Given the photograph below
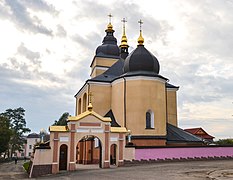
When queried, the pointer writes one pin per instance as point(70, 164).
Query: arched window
point(84, 102)
point(150, 120)
point(79, 106)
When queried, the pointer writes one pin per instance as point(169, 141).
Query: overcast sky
point(46, 47)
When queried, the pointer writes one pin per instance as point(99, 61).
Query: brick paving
point(189, 170)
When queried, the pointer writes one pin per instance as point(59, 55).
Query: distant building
point(200, 133)
point(32, 139)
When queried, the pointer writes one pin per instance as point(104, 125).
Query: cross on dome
point(110, 17)
point(140, 38)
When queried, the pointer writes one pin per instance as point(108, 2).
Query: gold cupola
point(124, 45)
point(109, 26)
point(124, 40)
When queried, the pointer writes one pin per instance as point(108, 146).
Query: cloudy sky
point(46, 47)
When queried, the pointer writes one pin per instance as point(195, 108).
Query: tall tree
point(18, 128)
point(5, 133)
point(62, 120)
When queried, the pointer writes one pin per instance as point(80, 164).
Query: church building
point(129, 89)
point(125, 105)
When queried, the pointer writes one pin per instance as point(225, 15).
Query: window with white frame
point(150, 120)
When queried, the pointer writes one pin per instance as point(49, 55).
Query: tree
point(5, 134)
point(18, 128)
point(62, 120)
point(224, 142)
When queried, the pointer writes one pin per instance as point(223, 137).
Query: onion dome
point(141, 59)
point(109, 47)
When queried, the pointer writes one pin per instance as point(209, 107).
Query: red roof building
point(200, 133)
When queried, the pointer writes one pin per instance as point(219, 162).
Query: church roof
point(58, 128)
point(199, 132)
point(33, 135)
point(141, 60)
point(113, 122)
point(116, 71)
point(175, 134)
point(87, 113)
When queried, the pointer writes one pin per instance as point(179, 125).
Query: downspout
point(124, 102)
point(166, 103)
point(88, 91)
point(166, 109)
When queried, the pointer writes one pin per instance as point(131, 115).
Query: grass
point(26, 166)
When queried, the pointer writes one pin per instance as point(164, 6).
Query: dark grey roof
point(168, 85)
point(175, 134)
point(116, 71)
point(141, 60)
point(113, 122)
point(109, 46)
point(33, 135)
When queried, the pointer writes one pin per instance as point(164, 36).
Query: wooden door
point(63, 157)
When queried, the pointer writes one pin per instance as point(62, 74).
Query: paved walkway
point(192, 170)
point(11, 170)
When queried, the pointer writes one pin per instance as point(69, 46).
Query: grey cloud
point(21, 17)
point(211, 27)
point(40, 103)
point(33, 56)
point(61, 32)
point(90, 42)
point(152, 28)
point(40, 5)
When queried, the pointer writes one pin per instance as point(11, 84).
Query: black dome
point(141, 60)
point(108, 49)
point(109, 46)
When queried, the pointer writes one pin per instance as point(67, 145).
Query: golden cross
point(110, 17)
point(140, 22)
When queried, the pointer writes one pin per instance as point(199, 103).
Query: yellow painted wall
point(117, 103)
point(101, 99)
point(97, 72)
point(172, 107)
point(78, 96)
point(143, 95)
point(98, 61)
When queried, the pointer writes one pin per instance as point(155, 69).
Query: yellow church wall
point(143, 95)
point(172, 107)
point(101, 62)
point(97, 72)
point(106, 62)
point(101, 99)
point(117, 103)
point(80, 97)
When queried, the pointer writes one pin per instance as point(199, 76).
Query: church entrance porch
point(89, 151)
